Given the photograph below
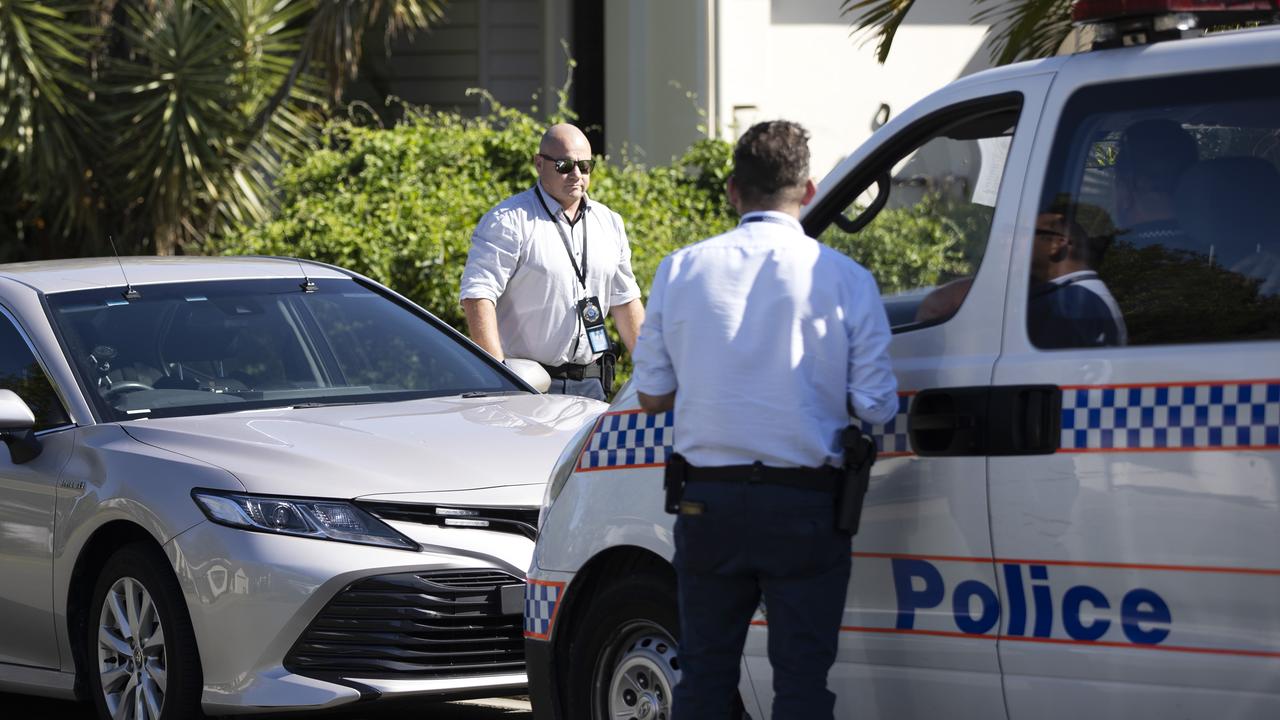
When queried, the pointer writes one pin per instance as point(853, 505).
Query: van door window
point(1160, 219)
point(21, 373)
point(924, 241)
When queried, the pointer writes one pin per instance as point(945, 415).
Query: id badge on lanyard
point(590, 312)
point(593, 321)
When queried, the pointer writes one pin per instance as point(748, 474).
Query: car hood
point(440, 445)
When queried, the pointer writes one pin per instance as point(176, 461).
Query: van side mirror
point(16, 428)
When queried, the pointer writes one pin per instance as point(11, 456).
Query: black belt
point(572, 371)
point(825, 478)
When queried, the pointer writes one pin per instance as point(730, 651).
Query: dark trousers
point(586, 387)
point(754, 541)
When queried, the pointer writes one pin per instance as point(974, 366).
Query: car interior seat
point(201, 335)
point(1230, 206)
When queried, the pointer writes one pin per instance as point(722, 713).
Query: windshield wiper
point(316, 404)
point(490, 393)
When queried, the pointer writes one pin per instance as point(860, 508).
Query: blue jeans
point(586, 387)
point(751, 541)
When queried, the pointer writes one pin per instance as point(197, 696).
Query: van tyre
point(627, 663)
point(141, 660)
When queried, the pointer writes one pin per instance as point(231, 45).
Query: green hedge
point(399, 204)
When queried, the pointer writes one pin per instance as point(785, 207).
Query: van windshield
point(225, 346)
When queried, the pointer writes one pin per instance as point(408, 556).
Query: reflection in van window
point(926, 244)
point(1179, 205)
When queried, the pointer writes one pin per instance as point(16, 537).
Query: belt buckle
point(757, 472)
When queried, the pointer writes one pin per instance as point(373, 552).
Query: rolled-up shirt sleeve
point(624, 287)
point(493, 257)
point(654, 374)
point(873, 388)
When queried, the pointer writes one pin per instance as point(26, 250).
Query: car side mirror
point(17, 425)
point(530, 372)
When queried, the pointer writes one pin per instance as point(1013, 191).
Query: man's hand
point(628, 318)
point(654, 404)
point(482, 324)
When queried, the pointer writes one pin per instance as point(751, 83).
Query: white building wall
point(750, 60)
point(804, 65)
point(657, 78)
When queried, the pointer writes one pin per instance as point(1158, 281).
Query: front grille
point(521, 521)
point(437, 624)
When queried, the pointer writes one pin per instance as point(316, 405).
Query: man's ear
point(731, 192)
point(810, 189)
point(1061, 249)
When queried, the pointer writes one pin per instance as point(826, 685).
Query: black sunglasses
point(564, 166)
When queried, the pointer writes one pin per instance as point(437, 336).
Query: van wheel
point(140, 650)
point(627, 663)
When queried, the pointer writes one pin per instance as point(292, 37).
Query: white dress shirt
point(518, 260)
point(764, 333)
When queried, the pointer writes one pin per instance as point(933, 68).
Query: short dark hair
point(771, 159)
point(1154, 153)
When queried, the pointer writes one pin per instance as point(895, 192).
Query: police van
point(1076, 511)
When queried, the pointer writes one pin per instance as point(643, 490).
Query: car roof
point(54, 276)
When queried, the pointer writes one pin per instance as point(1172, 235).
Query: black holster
point(673, 480)
point(607, 362)
point(859, 456)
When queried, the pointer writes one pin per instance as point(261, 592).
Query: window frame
point(7, 314)
point(881, 161)
point(1070, 142)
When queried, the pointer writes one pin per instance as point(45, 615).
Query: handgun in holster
point(608, 362)
point(859, 456)
point(673, 480)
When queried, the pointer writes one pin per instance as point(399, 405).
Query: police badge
point(593, 322)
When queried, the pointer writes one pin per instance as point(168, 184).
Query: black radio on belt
point(593, 322)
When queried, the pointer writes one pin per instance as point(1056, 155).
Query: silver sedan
point(242, 485)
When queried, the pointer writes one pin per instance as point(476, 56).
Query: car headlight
point(321, 519)
point(564, 467)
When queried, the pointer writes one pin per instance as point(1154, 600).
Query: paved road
point(19, 707)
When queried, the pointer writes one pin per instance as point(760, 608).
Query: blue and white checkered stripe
point(891, 438)
point(635, 439)
point(1179, 417)
point(540, 608)
point(628, 440)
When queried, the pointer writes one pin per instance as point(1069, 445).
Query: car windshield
point(200, 348)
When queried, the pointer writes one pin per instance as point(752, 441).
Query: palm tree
point(1021, 29)
point(161, 122)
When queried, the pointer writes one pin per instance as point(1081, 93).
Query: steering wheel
point(125, 386)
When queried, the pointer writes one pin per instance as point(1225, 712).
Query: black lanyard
point(767, 218)
point(568, 246)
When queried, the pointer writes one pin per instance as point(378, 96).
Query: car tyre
point(140, 653)
point(627, 664)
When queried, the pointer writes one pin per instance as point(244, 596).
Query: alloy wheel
point(132, 665)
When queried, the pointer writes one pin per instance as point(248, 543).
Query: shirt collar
point(788, 219)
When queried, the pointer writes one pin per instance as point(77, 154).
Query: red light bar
point(1088, 11)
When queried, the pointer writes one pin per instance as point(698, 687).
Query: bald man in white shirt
point(761, 340)
point(546, 266)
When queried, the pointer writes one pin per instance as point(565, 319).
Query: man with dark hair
point(1069, 305)
point(762, 340)
point(545, 268)
point(1153, 155)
